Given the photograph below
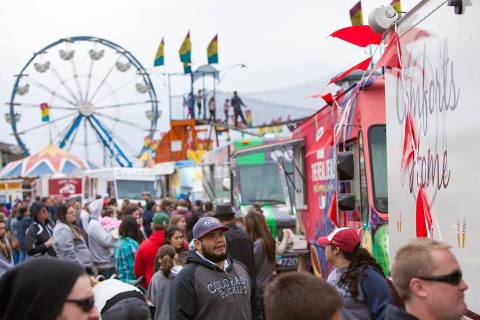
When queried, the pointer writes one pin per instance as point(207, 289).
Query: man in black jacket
point(239, 245)
point(213, 285)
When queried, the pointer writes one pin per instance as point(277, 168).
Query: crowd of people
point(176, 260)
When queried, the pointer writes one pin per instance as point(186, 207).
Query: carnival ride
point(94, 96)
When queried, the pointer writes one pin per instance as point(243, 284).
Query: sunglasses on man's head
point(85, 304)
point(453, 278)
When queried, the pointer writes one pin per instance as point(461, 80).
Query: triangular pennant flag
point(185, 51)
point(212, 51)
point(356, 15)
point(361, 66)
point(358, 35)
point(159, 56)
point(392, 55)
point(328, 98)
point(397, 6)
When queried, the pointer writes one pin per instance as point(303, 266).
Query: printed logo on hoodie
point(230, 286)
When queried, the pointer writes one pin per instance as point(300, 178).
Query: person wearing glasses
point(39, 240)
point(428, 277)
point(356, 276)
point(68, 238)
point(46, 288)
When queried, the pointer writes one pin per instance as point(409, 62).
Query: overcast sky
point(283, 43)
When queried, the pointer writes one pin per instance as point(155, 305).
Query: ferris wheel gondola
point(96, 99)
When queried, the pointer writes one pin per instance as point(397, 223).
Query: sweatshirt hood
point(158, 237)
point(194, 257)
point(96, 208)
point(175, 271)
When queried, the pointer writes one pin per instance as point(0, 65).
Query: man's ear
point(198, 245)
point(417, 288)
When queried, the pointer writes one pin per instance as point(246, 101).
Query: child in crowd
point(159, 289)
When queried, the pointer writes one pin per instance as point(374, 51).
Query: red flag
point(391, 56)
point(332, 212)
point(358, 35)
point(410, 142)
point(423, 215)
point(361, 66)
point(328, 98)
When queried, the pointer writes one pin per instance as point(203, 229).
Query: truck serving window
point(133, 189)
point(378, 157)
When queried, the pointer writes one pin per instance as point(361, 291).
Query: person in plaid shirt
point(126, 248)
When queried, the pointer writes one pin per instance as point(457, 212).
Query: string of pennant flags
point(185, 53)
point(361, 35)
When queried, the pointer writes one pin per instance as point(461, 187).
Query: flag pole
point(50, 132)
point(192, 96)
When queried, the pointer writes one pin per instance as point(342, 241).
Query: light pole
point(168, 84)
point(228, 70)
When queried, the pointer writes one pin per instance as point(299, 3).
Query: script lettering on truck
point(423, 111)
point(429, 102)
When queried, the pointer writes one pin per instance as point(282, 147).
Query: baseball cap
point(160, 219)
point(344, 238)
point(205, 225)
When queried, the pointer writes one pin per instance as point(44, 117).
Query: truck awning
point(269, 147)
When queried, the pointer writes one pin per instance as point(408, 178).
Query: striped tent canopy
point(50, 160)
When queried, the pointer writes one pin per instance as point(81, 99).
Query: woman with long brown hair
point(179, 221)
point(68, 238)
point(356, 276)
point(175, 238)
point(126, 248)
point(6, 254)
point(263, 248)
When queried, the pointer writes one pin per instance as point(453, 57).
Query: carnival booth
point(57, 173)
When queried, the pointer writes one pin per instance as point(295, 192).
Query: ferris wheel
point(87, 95)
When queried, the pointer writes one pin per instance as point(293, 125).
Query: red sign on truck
point(64, 187)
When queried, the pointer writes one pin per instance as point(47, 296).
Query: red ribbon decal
point(423, 215)
point(410, 142)
point(332, 212)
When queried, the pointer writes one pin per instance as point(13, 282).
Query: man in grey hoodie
point(101, 243)
point(213, 285)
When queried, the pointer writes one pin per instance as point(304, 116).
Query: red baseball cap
point(344, 238)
